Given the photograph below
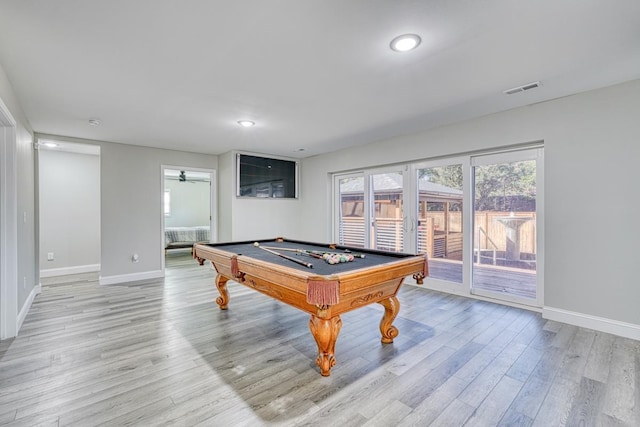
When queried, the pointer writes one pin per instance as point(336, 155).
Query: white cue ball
point(256, 244)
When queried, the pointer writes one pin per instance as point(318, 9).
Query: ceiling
point(315, 75)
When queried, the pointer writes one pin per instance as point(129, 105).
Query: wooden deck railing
point(433, 239)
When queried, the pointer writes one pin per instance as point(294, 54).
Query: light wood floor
point(161, 353)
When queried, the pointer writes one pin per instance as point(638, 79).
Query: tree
point(449, 176)
point(500, 187)
point(505, 186)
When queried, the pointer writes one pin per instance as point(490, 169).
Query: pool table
point(323, 290)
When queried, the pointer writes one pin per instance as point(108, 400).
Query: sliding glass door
point(478, 219)
point(505, 231)
point(439, 212)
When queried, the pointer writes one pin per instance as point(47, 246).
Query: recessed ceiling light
point(246, 123)
point(94, 122)
point(405, 42)
point(50, 144)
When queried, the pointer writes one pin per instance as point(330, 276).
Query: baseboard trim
point(132, 277)
point(602, 324)
point(26, 306)
point(63, 271)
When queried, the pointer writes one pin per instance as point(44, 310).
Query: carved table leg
point(391, 309)
point(221, 284)
point(325, 332)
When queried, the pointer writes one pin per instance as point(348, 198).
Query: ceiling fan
point(181, 176)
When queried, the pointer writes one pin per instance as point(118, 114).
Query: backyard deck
point(503, 280)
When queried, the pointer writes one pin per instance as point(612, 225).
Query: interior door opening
point(69, 208)
point(187, 208)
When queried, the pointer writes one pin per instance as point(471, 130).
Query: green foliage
point(449, 176)
point(500, 187)
point(505, 186)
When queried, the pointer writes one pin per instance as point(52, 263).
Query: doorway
point(188, 208)
point(69, 206)
point(8, 225)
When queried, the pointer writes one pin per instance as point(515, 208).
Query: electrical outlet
point(49, 256)
point(135, 258)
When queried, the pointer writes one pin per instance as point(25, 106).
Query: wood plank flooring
point(161, 353)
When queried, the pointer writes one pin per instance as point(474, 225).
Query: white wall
point(69, 196)
point(263, 218)
point(132, 208)
point(226, 196)
point(592, 196)
point(190, 205)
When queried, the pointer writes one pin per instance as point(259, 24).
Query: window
point(167, 202)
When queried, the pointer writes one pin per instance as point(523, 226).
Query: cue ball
point(256, 244)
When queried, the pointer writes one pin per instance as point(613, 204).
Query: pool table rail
point(356, 287)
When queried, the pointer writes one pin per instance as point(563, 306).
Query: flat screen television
point(266, 177)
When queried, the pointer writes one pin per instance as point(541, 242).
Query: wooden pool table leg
point(325, 332)
point(221, 284)
point(391, 309)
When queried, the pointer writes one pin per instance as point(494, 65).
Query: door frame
point(526, 153)
point(213, 217)
point(440, 284)
point(8, 224)
point(369, 202)
point(404, 170)
point(337, 204)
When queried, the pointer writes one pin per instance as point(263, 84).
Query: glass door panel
point(388, 221)
point(504, 236)
point(439, 225)
point(351, 211)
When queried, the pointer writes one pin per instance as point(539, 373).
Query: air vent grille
point(522, 88)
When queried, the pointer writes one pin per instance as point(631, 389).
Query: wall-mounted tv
point(266, 177)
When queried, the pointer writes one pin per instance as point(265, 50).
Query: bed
point(184, 237)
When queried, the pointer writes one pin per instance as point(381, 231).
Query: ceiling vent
point(522, 88)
